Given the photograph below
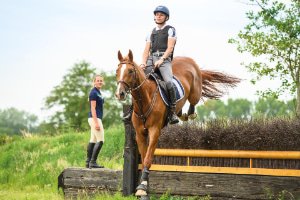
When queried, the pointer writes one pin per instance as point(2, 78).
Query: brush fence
point(222, 174)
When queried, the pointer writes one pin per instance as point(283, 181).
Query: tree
point(112, 108)
point(238, 109)
point(12, 121)
point(70, 99)
point(244, 109)
point(211, 109)
point(273, 33)
point(271, 107)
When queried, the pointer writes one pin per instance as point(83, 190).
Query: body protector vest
point(159, 40)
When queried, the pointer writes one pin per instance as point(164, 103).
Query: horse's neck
point(145, 91)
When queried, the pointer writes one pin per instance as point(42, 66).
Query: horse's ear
point(130, 56)
point(120, 56)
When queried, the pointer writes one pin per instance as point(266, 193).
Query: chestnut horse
point(150, 111)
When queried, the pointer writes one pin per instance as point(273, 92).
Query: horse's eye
point(130, 71)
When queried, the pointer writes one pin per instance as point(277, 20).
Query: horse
point(150, 112)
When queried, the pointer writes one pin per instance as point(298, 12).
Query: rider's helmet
point(162, 9)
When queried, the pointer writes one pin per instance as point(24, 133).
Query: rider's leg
point(172, 94)
point(167, 74)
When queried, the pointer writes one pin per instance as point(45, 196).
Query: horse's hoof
point(193, 116)
point(184, 117)
point(141, 193)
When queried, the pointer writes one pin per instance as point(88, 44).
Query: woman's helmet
point(162, 9)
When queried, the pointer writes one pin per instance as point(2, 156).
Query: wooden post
point(130, 168)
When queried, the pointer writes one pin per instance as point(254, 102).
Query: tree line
point(245, 109)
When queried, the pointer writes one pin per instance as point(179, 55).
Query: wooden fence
point(250, 159)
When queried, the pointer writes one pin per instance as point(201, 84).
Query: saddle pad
point(178, 88)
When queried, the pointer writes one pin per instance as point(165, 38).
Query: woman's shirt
point(95, 95)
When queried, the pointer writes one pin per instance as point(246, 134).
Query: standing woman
point(95, 121)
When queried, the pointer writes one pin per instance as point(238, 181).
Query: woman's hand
point(97, 127)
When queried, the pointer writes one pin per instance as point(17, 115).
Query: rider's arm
point(146, 54)
point(171, 45)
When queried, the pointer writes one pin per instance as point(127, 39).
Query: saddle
point(156, 76)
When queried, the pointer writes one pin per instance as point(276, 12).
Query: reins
point(139, 101)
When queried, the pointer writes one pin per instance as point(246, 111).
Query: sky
point(41, 40)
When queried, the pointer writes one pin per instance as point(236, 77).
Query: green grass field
point(29, 166)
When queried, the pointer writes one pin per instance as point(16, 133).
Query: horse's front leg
point(141, 140)
point(142, 189)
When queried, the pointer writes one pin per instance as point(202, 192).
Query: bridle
point(130, 89)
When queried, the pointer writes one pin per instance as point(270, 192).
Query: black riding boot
point(95, 154)
point(128, 114)
point(172, 93)
point(89, 152)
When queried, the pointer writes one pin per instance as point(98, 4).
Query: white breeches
point(96, 136)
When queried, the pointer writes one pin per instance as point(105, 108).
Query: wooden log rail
point(190, 153)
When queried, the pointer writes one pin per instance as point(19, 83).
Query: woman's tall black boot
point(172, 93)
point(95, 154)
point(89, 152)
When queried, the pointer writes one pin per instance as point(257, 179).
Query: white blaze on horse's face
point(120, 92)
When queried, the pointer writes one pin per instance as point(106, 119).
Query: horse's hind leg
point(190, 115)
point(182, 116)
point(191, 112)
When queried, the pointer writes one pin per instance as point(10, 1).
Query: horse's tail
point(212, 81)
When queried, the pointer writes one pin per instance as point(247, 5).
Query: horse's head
point(126, 75)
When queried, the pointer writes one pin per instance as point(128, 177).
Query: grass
point(30, 166)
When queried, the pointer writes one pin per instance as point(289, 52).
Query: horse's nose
point(122, 94)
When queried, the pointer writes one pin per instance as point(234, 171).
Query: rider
point(158, 51)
